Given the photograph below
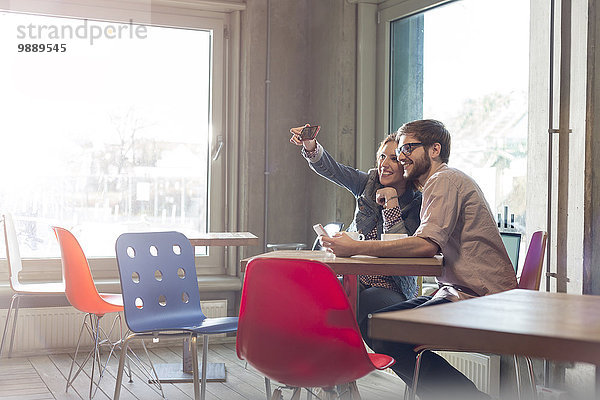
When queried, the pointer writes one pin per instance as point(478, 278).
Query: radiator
point(482, 369)
point(56, 329)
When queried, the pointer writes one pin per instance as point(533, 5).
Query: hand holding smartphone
point(309, 132)
point(320, 231)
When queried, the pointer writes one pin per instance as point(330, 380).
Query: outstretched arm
point(325, 165)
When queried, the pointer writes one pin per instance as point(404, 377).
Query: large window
point(466, 64)
point(110, 127)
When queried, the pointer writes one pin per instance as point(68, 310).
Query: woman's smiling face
point(391, 172)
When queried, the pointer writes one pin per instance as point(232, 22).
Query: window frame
point(388, 12)
point(391, 10)
point(220, 17)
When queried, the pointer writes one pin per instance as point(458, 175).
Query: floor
point(43, 377)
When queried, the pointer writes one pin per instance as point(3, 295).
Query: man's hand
point(309, 145)
point(387, 197)
point(342, 245)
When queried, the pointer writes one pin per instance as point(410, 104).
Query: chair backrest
point(79, 285)
point(531, 274)
point(158, 281)
point(331, 228)
point(296, 325)
point(512, 243)
point(13, 255)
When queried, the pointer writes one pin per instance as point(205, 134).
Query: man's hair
point(428, 131)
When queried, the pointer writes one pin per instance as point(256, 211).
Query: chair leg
point(268, 387)
point(118, 343)
point(329, 393)
point(413, 392)
point(69, 380)
point(354, 393)
point(194, 351)
point(406, 392)
point(10, 309)
point(91, 324)
point(12, 336)
point(204, 364)
point(122, 358)
point(517, 376)
point(296, 394)
point(277, 395)
point(531, 378)
point(96, 356)
point(154, 374)
point(147, 370)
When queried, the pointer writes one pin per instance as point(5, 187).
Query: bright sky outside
point(53, 102)
point(52, 96)
point(495, 49)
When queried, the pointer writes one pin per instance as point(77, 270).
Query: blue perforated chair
point(160, 295)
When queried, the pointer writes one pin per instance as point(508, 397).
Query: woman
point(385, 203)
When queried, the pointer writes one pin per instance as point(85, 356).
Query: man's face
point(414, 158)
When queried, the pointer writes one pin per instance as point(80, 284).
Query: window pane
point(466, 64)
point(109, 136)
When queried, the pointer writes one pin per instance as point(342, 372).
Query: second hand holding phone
point(320, 230)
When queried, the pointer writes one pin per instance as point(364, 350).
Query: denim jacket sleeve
point(352, 179)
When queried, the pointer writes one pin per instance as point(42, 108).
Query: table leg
point(597, 388)
point(350, 283)
point(177, 373)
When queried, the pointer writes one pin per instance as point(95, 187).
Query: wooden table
point(361, 265)
point(225, 239)
point(215, 372)
point(555, 326)
point(350, 267)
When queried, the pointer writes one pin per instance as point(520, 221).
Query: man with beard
point(456, 220)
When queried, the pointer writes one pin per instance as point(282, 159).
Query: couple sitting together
point(442, 209)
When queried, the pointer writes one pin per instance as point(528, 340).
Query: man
point(456, 220)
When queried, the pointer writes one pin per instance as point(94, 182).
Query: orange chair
point(296, 326)
point(82, 294)
point(530, 279)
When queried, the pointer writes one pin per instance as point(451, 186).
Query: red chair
point(530, 278)
point(531, 274)
point(296, 326)
point(82, 294)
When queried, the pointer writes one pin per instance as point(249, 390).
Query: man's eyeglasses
point(407, 148)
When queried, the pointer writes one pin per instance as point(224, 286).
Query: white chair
point(13, 258)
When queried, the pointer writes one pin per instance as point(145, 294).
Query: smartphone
point(309, 132)
point(320, 230)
